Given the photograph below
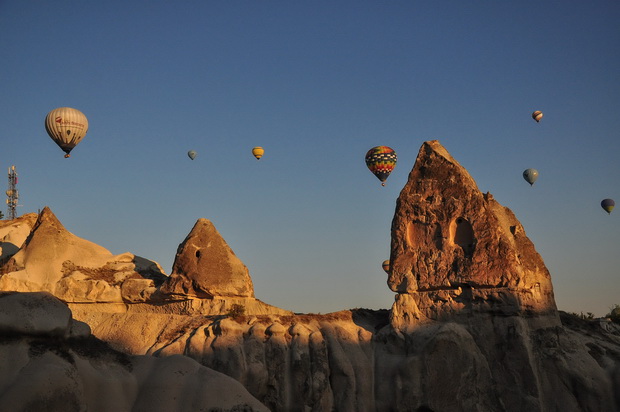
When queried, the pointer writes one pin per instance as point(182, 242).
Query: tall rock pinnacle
point(456, 250)
point(205, 267)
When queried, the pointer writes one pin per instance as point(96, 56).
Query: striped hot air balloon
point(258, 152)
point(67, 127)
point(537, 115)
point(381, 160)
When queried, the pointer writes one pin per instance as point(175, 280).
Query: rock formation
point(456, 251)
point(205, 266)
point(13, 233)
point(51, 362)
point(54, 260)
point(474, 326)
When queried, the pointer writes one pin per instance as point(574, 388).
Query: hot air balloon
point(381, 160)
point(67, 127)
point(258, 152)
point(608, 205)
point(537, 115)
point(192, 154)
point(386, 266)
point(530, 175)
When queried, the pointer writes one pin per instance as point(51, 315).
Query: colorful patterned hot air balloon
point(608, 205)
point(537, 115)
point(530, 175)
point(258, 152)
point(192, 154)
point(67, 127)
point(386, 266)
point(381, 160)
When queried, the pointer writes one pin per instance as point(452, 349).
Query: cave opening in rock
point(463, 235)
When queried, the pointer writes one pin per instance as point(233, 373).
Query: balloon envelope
point(537, 115)
point(530, 175)
point(192, 154)
point(608, 205)
point(381, 160)
point(386, 266)
point(258, 152)
point(67, 127)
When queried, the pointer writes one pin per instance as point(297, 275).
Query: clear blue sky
point(317, 83)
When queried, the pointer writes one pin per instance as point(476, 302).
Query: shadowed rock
point(205, 266)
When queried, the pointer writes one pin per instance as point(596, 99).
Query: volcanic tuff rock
point(51, 362)
point(205, 266)
point(13, 233)
point(54, 260)
point(473, 327)
point(456, 251)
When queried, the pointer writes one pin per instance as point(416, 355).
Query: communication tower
point(12, 195)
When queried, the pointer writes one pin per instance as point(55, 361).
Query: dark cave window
point(464, 236)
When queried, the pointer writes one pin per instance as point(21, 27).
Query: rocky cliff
point(51, 362)
point(473, 327)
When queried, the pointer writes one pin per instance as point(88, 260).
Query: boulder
point(205, 267)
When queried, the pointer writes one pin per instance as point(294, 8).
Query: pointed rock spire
point(205, 267)
point(456, 250)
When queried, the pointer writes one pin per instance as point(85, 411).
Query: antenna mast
point(12, 194)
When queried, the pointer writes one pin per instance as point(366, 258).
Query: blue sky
point(317, 84)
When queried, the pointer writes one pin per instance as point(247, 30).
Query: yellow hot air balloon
point(386, 266)
point(258, 152)
point(67, 127)
point(537, 115)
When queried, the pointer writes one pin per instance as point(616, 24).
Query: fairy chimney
point(456, 251)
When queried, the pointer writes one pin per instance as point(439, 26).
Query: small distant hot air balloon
point(537, 115)
point(608, 205)
point(258, 152)
point(381, 160)
point(192, 154)
point(530, 175)
point(67, 127)
point(386, 266)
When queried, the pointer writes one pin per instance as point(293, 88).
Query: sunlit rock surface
point(473, 327)
point(205, 267)
point(457, 251)
point(54, 260)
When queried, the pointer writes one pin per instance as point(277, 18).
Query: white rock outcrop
point(54, 260)
point(49, 364)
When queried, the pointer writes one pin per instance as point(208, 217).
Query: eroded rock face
point(13, 233)
point(205, 267)
point(54, 260)
point(456, 250)
point(51, 362)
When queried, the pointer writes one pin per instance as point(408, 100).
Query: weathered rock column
point(456, 251)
